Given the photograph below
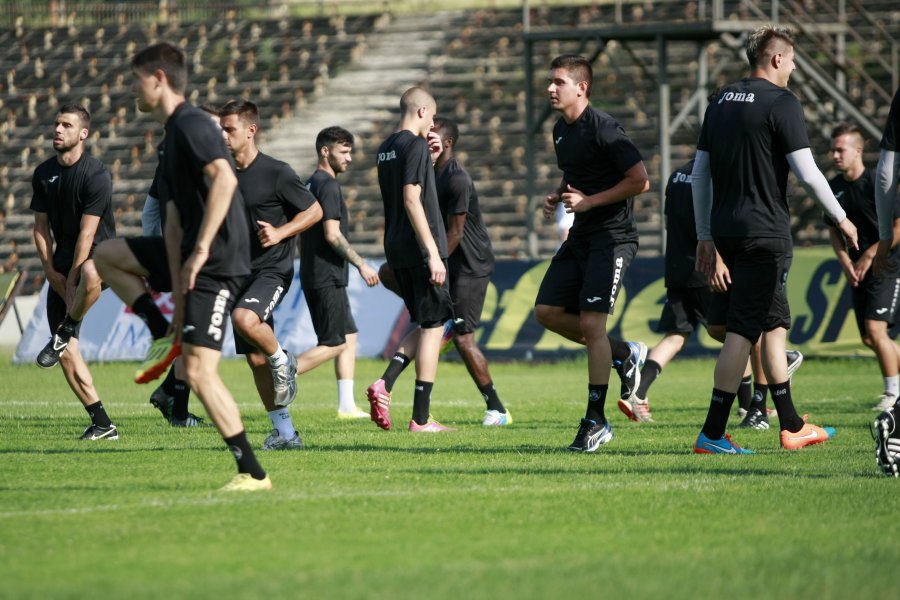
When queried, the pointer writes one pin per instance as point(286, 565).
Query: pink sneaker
point(431, 426)
point(380, 403)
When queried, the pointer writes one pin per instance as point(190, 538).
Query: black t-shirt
point(191, 142)
point(890, 139)
point(66, 194)
point(748, 131)
point(320, 265)
point(403, 159)
point(272, 193)
point(857, 198)
point(681, 231)
point(594, 153)
point(456, 196)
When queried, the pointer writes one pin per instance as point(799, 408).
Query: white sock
point(281, 420)
point(892, 386)
point(346, 404)
point(279, 358)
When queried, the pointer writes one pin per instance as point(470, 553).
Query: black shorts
point(428, 305)
point(56, 311)
point(685, 308)
point(757, 299)
point(329, 309)
point(875, 299)
point(587, 274)
point(261, 294)
point(206, 310)
point(468, 295)
point(150, 252)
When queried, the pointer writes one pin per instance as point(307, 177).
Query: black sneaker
point(49, 356)
point(191, 420)
point(755, 419)
point(590, 435)
point(629, 370)
point(95, 432)
point(887, 442)
point(794, 360)
point(161, 400)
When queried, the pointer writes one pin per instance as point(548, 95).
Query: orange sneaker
point(160, 355)
point(809, 435)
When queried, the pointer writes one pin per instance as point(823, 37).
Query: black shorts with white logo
point(757, 299)
point(428, 305)
point(206, 310)
point(56, 311)
point(329, 309)
point(468, 295)
point(262, 293)
point(150, 252)
point(875, 299)
point(587, 274)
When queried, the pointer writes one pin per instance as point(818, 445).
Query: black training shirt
point(320, 265)
point(681, 231)
point(68, 193)
point(456, 196)
point(748, 131)
point(857, 198)
point(890, 139)
point(594, 153)
point(403, 159)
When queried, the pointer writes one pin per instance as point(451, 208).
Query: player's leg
point(86, 294)
point(344, 373)
point(875, 305)
point(328, 308)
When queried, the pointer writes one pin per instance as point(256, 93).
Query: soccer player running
point(415, 245)
point(72, 204)
point(602, 172)
point(752, 135)
point(278, 207)
point(324, 273)
point(207, 241)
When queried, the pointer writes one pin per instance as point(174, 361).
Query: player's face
point(563, 90)
point(68, 132)
point(844, 152)
point(787, 66)
point(147, 90)
point(339, 157)
point(237, 134)
point(428, 114)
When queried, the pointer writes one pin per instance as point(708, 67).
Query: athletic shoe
point(495, 418)
point(636, 409)
point(590, 435)
point(887, 442)
point(431, 426)
point(244, 482)
point(285, 379)
point(95, 432)
point(380, 403)
point(630, 369)
point(446, 336)
point(161, 354)
point(885, 403)
point(794, 360)
point(191, 420)
point(742, 412)
point(162, 401)
point(354, 414)
point(809, 435)
point(755, 419)
point(49, 356)
point(724, 445)
point(276, 441)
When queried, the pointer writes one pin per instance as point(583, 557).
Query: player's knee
point(257, 360)
point(104, 256)
point(545, 315)
point(593, 324)
point(716, 332)
point(89, 274)
point(244, 320)
point(868, 341)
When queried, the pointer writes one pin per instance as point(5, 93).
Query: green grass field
point(363, 513)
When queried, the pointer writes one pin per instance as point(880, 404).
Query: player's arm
point(887, 178)
point(634, 181)
point(455, 232)
point(151, 224)
point(804, 167)
point(43, 241)
point(303, 220)
point(412, 202)
point(840, 250)
point(172, 234)
point(552, 199)
point(701, 193)
point(86, 232)
point(342, 247)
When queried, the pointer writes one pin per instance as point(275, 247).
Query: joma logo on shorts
point(737, 97)
point(273, 303)
point(218, 315)
point(616, 276)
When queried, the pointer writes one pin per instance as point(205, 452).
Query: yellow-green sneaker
point(244, 482)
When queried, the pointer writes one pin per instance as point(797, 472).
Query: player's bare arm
point(269, 235)
point(412, 201)
point(172, 234)
point(455, 233)
point(552, 199)
point(840, 250)
point(43, 241)
point(342, 247)
point(634, 182)
point(86, 232)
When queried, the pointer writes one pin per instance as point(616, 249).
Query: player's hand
point(574, 200)
point(861, 267)
point(267, 234)
point(71, 288)
point(435, 146)
point(550, 202)
point(191, 267)
point(882, 263)
point(706, 257)
point(720, 280)
point(437, 271)
point(369, 274)
point(850, 272)
point(57, 281)
point(849, 231)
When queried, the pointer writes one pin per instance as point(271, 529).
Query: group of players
point(223, 240)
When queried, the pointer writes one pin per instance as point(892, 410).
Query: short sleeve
point(97, 193)
point(291, 190)
point(460, 193)
point(618, 147)
point(330, 198)
point(788, 123)
point(202, 140)
point(38, 194)
point(416, 161)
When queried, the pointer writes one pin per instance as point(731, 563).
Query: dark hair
point(847, 129)
point(76, 109)
point(450, 128)
point(759, 42)
point(166, 57)
point(246, 110)
point(210, 110)
point(331, 136)
point(578, 67)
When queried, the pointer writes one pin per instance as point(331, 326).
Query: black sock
point(489, 393)
point(759, 396)
point(181, 391)
point(596, 403)
point(744, 395)
point(717, 418)
point(67, 328)
point(784, 404)
point(243, 454)
point(422, 401)
point(168, 384)
point(98, 414)
point(145, 308)
point(620, 350)
point(394, 368)
point(649, 374)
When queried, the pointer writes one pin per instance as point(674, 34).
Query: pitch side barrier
point(823, 321)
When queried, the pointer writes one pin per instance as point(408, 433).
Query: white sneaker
point(285, 379)
point(352, 415)
point(276, 442)
point(884, 403)
point(495, 418)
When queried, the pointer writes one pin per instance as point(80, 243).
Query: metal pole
point(665, 150)
point(529, 151)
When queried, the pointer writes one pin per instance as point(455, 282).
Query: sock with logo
point(649, 373)
point(759, 396)
point(281, 420)
point(744, 395)
point(620, 351)
point(181, 392)
point(145, 308)
point(892, 386)
point(278, 359)
point(717, 418)
point(596, 403)
point(98, 414)
point(489, 393)
point(67, 328)
point(399, 362)
point(346, 404)
point(243, 455)
point(784, 404)
point(422, 401)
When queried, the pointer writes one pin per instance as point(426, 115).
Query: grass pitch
point(500, 513)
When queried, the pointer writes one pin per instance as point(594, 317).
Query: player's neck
point(854, 172)
point(168, 104)
point(574, 111)
point(410, 125)
point(70, 156)
point(324, 166)
point(767, 75)
point(245, 157)
point(444, 158)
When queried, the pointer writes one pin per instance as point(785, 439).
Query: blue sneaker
point(629, 370)
point(590, 435)
point(704, 445)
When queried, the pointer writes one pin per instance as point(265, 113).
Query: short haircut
point(330, 136)
point(210, 110)
point(166, 57)
point(414, 98)
point(848, 129)
point(450, 128)
point(246, 110)
point(578, 67)
point(760, 42)
point(76, 109)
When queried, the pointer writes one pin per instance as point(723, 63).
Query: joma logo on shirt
point(385, 156)
point(681, 178)
point(737, 97)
